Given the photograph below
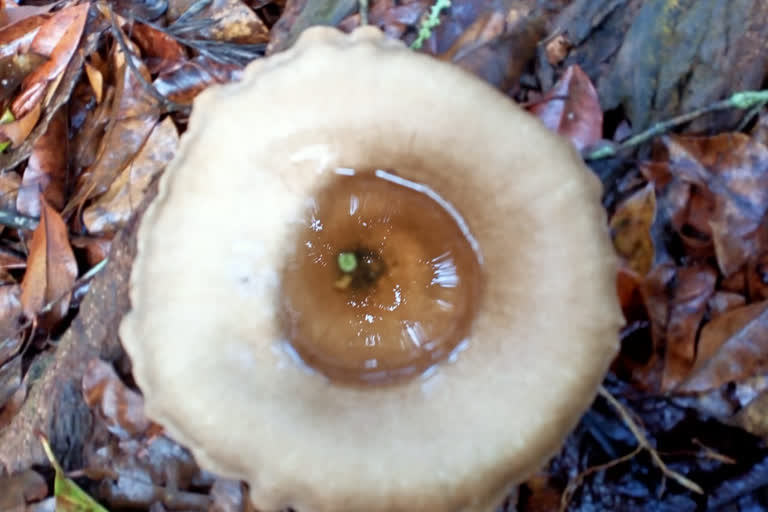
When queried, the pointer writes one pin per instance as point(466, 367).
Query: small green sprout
point(347, 262)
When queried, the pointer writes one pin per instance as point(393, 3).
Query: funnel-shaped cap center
point(384, 281)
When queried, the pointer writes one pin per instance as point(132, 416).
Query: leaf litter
point(94, 105)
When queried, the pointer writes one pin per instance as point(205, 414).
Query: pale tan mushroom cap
point(203, 334)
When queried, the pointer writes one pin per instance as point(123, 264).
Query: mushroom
point(371, 282)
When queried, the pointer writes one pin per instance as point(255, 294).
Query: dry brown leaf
point(18, 37)
point(115, 207)
point(13, 70)
point(46, 171)
point(120, 407)
point(728, 201)
point(56, 39)
point(10, 314)
point(191, 78)
point(96, 79)
point(95, 248)
point(133, 115)
point(18, 489)
point(732, 347)
point(692, 289)
point(161, 52)
point(497, 56)
point(631, 229)
point(232, 20)
point(754, 417)
point(51, 269)
point(12, 15)
point(17, 131)
point(722, 302)
point(571, 108)
point(10, 379)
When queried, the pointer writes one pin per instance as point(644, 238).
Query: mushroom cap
point(204, 334)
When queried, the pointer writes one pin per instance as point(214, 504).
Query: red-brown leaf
point(16, 38)
point(133, 115)
point(18, 131)
point(121, 408)
point(571, 108)
point(732, 347)
point(631, 229)
point(161, 51)
point(57, 39)
point(191, 78)
point(46, 171)
point(51, 269)
point(115, 207)
point(692, 290)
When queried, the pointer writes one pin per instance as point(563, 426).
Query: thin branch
point(643, 443)
point(743, 100)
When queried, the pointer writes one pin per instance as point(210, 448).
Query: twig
point(574, 484)
point(743, 100)
point(643, 443)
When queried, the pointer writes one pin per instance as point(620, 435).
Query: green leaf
point(69, 496)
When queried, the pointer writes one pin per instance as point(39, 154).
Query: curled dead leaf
point(46, 170)
point(51, 269)
point(115, 207)
point(56, 39)
point(572, 109)
point(120, 407)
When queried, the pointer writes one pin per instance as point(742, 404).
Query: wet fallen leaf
point(96, 248)
point(191, 78)
point(20, 488)
point(148, 472)
point(134, 113)
point(51, 269)
point(679, 56)
point(13, 70)
point(16, 38)
point(121, 408)
point(10, 379)
point(501, 60)
point(115, 207)
point(96, 79)
point(10, 313)
point(11, 15)
point(69, 496)
point(16, 132)
point(227, 496)
point(693, 288)
point(234, 21)
point(732, 193)
point(161, 51)
point(631, 229)
point(393, 18)
point(722, 302)
point(298, 15)
point(46, 171)
point(56, 39)
point(733, 346)
point(754, 417)
point(571, 108)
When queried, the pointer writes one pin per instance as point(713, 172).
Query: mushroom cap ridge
point(203, 333)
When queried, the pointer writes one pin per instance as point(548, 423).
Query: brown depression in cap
point(371, 282)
